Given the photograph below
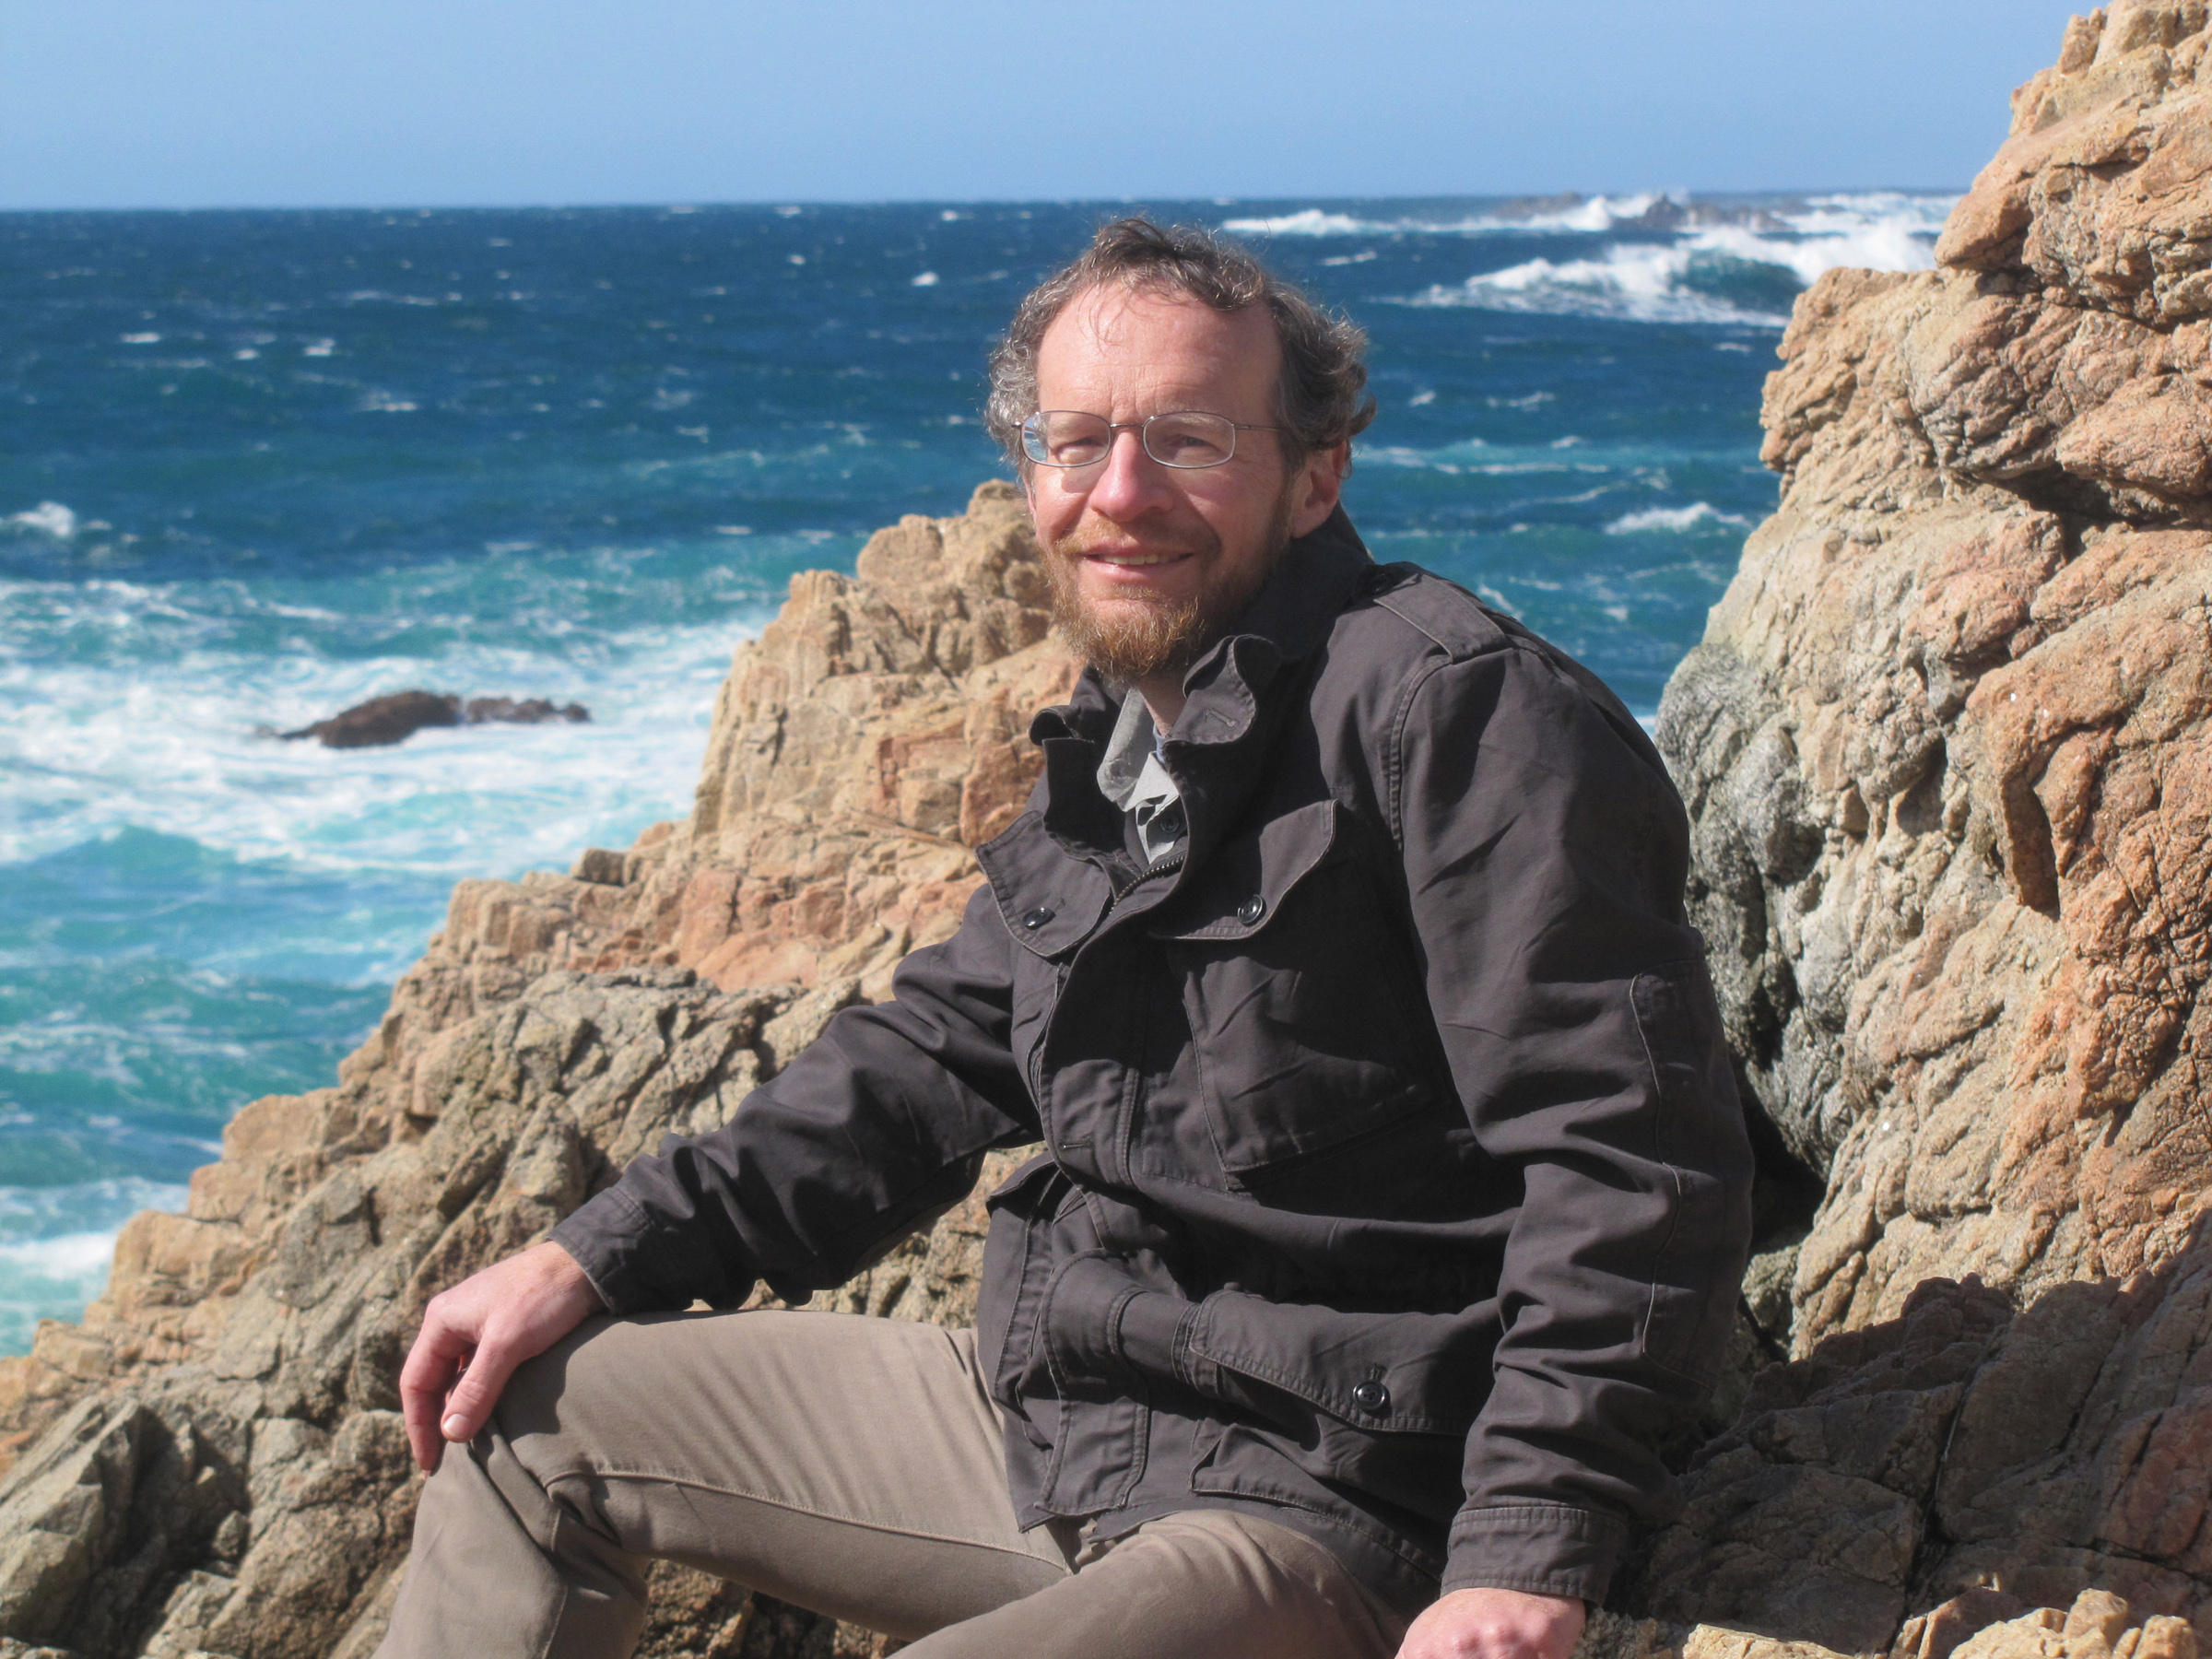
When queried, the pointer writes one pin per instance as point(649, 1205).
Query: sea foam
point(1596, 215)
point(1688, 279)
point(1736, 263)
point(56, 1245)
point(1695, 516)
point(48, 518)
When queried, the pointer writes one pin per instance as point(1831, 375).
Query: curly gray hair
point(1321, 399)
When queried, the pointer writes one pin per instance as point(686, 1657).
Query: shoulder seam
point(1393, 758)
point(1461, 651)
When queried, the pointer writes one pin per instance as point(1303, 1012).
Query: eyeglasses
point(1181, 437)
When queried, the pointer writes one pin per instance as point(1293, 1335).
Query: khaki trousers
point(850, 1466)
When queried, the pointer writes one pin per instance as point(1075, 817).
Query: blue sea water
point(257, 467)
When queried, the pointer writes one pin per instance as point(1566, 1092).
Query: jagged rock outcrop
point(213, 1459)
point(1944, 746)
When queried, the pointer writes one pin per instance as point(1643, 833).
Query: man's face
point(1147, 561)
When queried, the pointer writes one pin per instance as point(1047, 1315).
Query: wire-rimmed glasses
point(1180, 438)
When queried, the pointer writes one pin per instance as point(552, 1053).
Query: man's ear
point(1320, 482)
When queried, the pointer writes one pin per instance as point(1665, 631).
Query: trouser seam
point(560, 1605)
point(786, 1504)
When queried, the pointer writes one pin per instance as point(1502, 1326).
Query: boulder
point(395, 718)
point(382, 719)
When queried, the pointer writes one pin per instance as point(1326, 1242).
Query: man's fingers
point(470, 1400)
point(432, 1363)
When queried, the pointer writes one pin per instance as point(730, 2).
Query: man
point(1395, 1194)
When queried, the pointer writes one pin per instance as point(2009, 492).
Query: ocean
point(257, 467)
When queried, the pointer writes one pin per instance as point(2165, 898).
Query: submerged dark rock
point(395, 718)
point(533, 711)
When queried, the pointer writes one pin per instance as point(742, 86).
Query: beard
point(1139, 637)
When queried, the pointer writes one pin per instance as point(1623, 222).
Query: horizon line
point(704, 203)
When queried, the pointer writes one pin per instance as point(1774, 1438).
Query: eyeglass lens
point(1186, 439)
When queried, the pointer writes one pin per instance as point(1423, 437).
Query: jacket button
point(1371, 1397)
point(1036, 918)
point(1252, 910)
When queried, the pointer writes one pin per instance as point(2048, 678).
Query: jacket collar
point(1217, 749)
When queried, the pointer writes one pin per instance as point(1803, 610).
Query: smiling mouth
point(1129, 561)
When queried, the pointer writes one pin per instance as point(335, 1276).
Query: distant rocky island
point(1948, 752)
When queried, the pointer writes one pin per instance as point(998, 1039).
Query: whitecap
point(142, 339)
point(1694, 516)
point(1888, 244)
point(71, 1256)
point(1593, 213)
point(1637, 282)
point(56, 1244)
point(50, 518)
point(926, 279)
point(1685, 277)
point(1310, 221)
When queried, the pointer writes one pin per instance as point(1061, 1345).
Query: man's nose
point(1130, 484)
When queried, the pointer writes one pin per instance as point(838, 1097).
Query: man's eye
point(1078, 452)
point(1189, 450)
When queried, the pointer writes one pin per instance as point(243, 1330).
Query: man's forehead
point(1115, 328)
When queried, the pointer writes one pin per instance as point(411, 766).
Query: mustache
point(1093, 534)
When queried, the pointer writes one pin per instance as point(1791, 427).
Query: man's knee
point(562, 1392)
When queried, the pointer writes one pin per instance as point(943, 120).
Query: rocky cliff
point(1944, 751)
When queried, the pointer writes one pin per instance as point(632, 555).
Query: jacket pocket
point(1380, 1401)
point(1017, 1265)
point(1294, 983)
point(1707, 1158)
point(1410, 1373)
point(1099, 1452)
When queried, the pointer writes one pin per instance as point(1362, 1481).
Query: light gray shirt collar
point(1133, 777)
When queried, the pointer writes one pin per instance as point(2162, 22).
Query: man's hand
point(479, 1332)
point(1495, 1624)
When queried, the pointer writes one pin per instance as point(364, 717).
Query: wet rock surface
point(382, 721)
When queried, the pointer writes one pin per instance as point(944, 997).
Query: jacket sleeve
point(1545, 851)
point(878, 1125)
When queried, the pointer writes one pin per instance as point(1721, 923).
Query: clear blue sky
point(116, 103)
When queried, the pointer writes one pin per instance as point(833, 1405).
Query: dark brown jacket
point(1394, 1184)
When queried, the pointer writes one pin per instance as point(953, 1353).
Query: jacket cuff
point(611, 1240)
point(1538, 1548)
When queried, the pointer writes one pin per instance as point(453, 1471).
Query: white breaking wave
point(1597, 214)
point(1653, 282)
point(1730, 264)
point(1638, 282)
point(1883, 245)
point(1673, 518)
point(71, 1256)
point(50, 518)
point(56, 1244)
